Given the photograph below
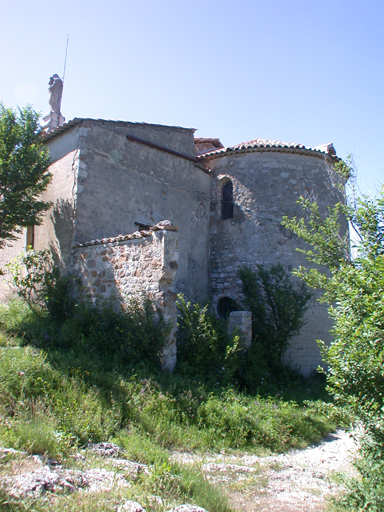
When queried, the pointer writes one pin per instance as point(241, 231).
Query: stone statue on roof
point(54, 119)
point(55, 89)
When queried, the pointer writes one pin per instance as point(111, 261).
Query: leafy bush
point(37, 280)
point(278, 307)
point(117, 336)
point(30, 273)
point(205, 348)
point(124, 336)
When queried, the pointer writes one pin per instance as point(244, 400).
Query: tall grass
point(63, 385)
point(82, 405)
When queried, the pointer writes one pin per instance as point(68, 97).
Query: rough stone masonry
point(115, 182)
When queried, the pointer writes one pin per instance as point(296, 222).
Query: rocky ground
point(300, 480)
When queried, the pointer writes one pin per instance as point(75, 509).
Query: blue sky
point(294, 70)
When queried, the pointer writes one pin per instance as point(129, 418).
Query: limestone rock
point(34, 484)
point(187, 508)
point(130, 506)
point(106, 449)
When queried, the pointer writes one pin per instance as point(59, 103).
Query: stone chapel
point(139, 206)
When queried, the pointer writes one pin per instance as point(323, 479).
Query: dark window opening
point(30, 237)
point(227, 201)
point(225, 306)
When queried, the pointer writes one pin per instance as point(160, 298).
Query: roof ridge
point(270, 144)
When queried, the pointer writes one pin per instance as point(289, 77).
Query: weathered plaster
point(126, 182)
point(105, 185)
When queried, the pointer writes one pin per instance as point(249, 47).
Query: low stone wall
point(120, 267)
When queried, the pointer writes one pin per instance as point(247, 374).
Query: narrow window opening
point(30, 237)
point(227, 201)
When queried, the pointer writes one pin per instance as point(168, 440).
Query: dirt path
point(290, 482)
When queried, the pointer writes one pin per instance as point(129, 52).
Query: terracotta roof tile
point(266, 144)
point(164, 225)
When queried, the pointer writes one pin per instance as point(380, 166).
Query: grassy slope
point(56, 397)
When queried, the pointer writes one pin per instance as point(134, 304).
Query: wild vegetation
point(352, 285)
point(77, 373)
point(206, 348)
point(24, 173)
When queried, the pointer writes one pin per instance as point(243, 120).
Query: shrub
point(204, 346)
point(118, 336)
point(353, 289)
point(37, 280)
point(278, 307)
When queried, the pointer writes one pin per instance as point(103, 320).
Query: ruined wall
point(127, 266)
point(124, 182)
point(266, 186)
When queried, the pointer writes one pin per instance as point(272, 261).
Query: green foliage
point(35, 431)
point(90, 375)
point(24, 171)
point(84, 400)
point(353, 289)
point(87, 402)
point(54, 400)
point(10, 504)
point(69, 410)
point(367, 491)
point(37, 280)
point(205, 348)
point(139, 447)
point(235, 420)
point(278, 307)
point(30, 274)
point(102, 329)
point(187, 417)
point(172, 481)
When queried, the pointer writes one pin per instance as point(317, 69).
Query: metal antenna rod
point(65, 59)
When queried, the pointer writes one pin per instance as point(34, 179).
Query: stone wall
point(58, 228)
point(124, 183)
point(266, 186)
point(130, 265)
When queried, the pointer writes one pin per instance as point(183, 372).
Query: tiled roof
point(164, 225)
point(265, 143)
point(77, 120)
point(269, 145)
point(62, 128)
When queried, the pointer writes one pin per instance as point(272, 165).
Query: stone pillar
point(168, 296)
point(242, 321)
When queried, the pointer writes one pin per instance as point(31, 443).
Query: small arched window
point(225, 306)
point(227, 201)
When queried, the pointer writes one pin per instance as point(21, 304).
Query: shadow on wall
point(144, 261)
point(62, 218)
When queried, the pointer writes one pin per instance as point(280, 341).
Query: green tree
point(278, 307)
point(354, 291)
point(24, 173)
